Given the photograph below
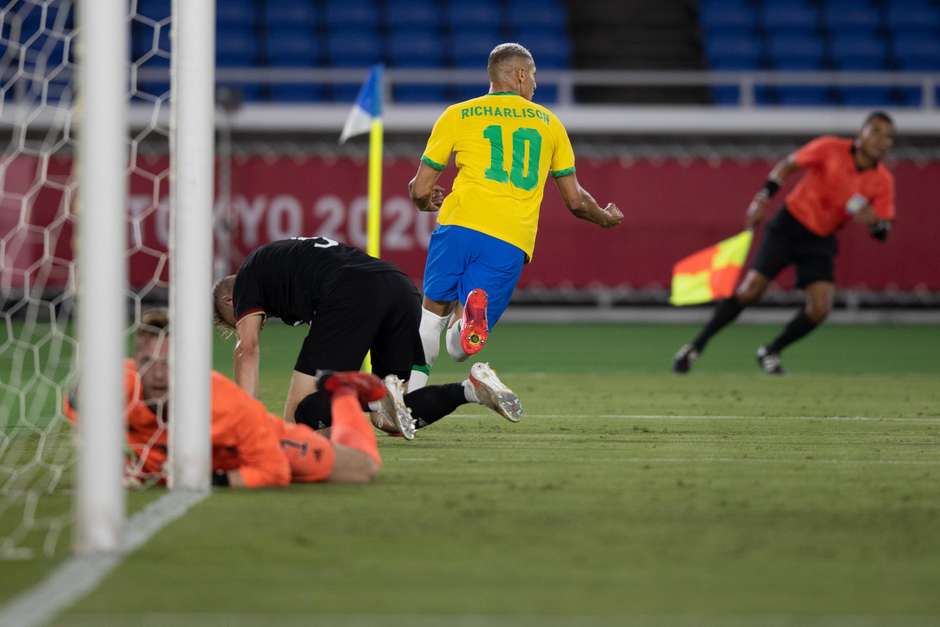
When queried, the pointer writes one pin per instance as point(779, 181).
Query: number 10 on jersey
point(522, 175)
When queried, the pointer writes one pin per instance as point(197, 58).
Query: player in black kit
point(354, 304)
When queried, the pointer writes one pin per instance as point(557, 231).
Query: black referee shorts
point(786, 241)
point(366, 311)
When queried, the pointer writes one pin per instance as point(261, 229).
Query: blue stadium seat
point(550, 50)
point(247, 93)
point(153, 88)
point(466, 92)
point(850, 15)
point(292, 47)
point(861, 51)
point(236, 47)
point(852, 52)
point(795, 52)
point(155, 10)
point(546, 95)
point(725, 17)
point(420, 48)
point(912, 15)
point(472, 48)
point(419, 93)
point(353, 48)
point(532, 14)
point(734, 52)
point(481, 14)
point(916, 53)
point(789, 15)
point(362, 14)
point(294, 13)
point(297, 93)
point(866, 96)
point(413, 14)
point(808, 96)
point(240, 13)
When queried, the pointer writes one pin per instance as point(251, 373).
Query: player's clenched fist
point(613, 215)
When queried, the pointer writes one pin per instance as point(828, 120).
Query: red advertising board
point(672, 207)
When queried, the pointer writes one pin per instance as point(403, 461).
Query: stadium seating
point(357, 33)
point(822, 35)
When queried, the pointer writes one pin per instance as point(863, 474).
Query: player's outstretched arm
point(757, 210)
point(583, 205)
point(425, 193)
point(247, 356)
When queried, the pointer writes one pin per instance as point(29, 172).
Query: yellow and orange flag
point(712, 273)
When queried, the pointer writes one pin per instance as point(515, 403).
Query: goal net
point(39, 212)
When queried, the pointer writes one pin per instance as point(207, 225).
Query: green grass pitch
point(627, 496)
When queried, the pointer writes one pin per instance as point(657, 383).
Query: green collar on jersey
point(502, 93)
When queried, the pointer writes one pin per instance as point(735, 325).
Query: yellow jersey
point(505, 146)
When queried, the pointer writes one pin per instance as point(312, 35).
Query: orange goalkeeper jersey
point(245, 436)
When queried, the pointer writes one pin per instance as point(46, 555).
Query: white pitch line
point(80, 575)
point(925, 419)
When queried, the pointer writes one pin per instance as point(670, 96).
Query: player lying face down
point(250, 447)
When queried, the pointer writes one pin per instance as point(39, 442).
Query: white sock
point(470, 392)
point(454, 348)
point(430, 331)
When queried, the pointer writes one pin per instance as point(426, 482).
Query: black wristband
point(771, 187)
point(220, 479)
point(880, 230)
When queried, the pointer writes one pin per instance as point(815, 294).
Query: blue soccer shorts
point(461, 259)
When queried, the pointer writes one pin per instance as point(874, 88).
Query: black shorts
point(366, 311)
point(786, 241)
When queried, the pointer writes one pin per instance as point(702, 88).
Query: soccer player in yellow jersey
point(505, 147)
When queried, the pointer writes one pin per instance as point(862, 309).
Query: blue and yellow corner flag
point(368, 107)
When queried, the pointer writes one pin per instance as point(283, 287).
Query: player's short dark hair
point(504, 52)
point(878, 115)
point(154, 323)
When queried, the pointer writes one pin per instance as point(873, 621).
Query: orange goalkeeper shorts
point(311, 455)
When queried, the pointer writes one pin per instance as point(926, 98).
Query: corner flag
point(366, 115)
point(368, 107)
point(712, 273)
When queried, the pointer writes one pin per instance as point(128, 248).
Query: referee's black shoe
point(769, 362)
point(684, 359)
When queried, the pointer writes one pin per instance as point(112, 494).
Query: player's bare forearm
point(423, 189)
point(583, 206)
point(247, 362)
point(589, 210)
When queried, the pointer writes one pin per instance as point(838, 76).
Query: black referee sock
point(796, 329)
point(431, 403)
point(725, 313)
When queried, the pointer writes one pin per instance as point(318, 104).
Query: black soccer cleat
point(682, 362)
point(769, 362)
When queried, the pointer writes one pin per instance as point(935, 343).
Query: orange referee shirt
point(818, 201)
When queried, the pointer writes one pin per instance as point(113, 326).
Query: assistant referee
point(844, 179)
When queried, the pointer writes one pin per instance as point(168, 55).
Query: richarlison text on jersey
point(504, 112)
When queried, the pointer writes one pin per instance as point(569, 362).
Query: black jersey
point(287, 279)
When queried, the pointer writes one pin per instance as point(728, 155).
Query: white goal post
point(85, 196)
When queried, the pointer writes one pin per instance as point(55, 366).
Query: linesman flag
point(712, 273)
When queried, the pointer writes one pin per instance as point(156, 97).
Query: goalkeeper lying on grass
point(250, 447)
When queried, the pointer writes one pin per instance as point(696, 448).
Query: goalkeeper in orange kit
point(251, 447)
